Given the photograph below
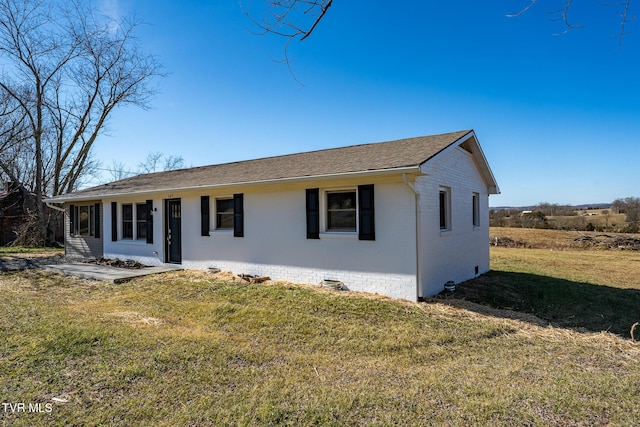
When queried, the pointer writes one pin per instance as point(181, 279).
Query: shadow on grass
point(559, 302)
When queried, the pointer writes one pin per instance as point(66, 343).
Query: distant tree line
point(630, 206)
point(565, 217)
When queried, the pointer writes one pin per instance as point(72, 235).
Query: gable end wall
point(452, 255)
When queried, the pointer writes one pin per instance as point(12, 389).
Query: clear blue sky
point(557, 116)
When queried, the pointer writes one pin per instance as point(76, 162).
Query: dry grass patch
point(619, 269)
point(595, 290)
point(21, 250)
point(232, 353)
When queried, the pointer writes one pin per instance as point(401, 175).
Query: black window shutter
point(204, 216)
point(114, 221)
point(313, 213)
point(149, 221)
point(96, 220)
point(367, 213)
point(238, 215)
point(72, 220)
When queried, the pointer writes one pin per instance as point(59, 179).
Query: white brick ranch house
point(399, 218)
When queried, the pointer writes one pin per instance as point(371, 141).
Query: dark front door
point(173, 231)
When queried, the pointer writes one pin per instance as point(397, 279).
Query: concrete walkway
point(105, 273)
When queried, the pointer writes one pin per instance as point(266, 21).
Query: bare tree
point(157, 161)
point(118, 170)
point(618, 206)
point(172, 163)
point(154, 162)
point(632, 209)
point(563, 14)
point(66, 69)
point(630, 206)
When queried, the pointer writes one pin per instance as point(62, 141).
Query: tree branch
point(625, 16)
point(290, 19)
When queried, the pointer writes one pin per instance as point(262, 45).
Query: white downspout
point(50, 204)
point(417, 213)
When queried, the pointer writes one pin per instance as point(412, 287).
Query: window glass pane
point(224, 214)
point(141, 211)
point(84, 220)
point(141, 220)
point(92, 220)
point(127, 221)
point(476, 209)
point(341, 211)
point(127, 230)
point(342, 220)
point(127, 212)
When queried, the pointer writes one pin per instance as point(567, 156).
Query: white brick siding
point(275, 243)
point(452, 254)
point(400, 286)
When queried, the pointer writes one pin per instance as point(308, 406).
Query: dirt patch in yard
point(606, 241)
point(28, 261)
point(562, 240)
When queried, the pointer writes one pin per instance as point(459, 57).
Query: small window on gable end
point(476, 209)
point(445, 209)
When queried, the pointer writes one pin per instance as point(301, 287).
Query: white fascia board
point(481, 160)
point(377, 172)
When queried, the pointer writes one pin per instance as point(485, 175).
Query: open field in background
point(602, 219)
point(188, 348)
point(554, 239)
point(546, 216)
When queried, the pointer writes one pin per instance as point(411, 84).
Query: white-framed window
point(444, 202)
point(341, 212)
point(134, 221)
point(228, 214)
point(83, 220)
point(224, 213)
point(476, 209)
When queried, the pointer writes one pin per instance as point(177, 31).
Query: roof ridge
point(335, 161)
point(320, 150)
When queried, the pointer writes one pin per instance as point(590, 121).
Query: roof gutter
point(57, 208)
point(393, 171)
point(410, 185)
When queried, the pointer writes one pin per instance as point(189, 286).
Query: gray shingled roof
point(403, 153)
